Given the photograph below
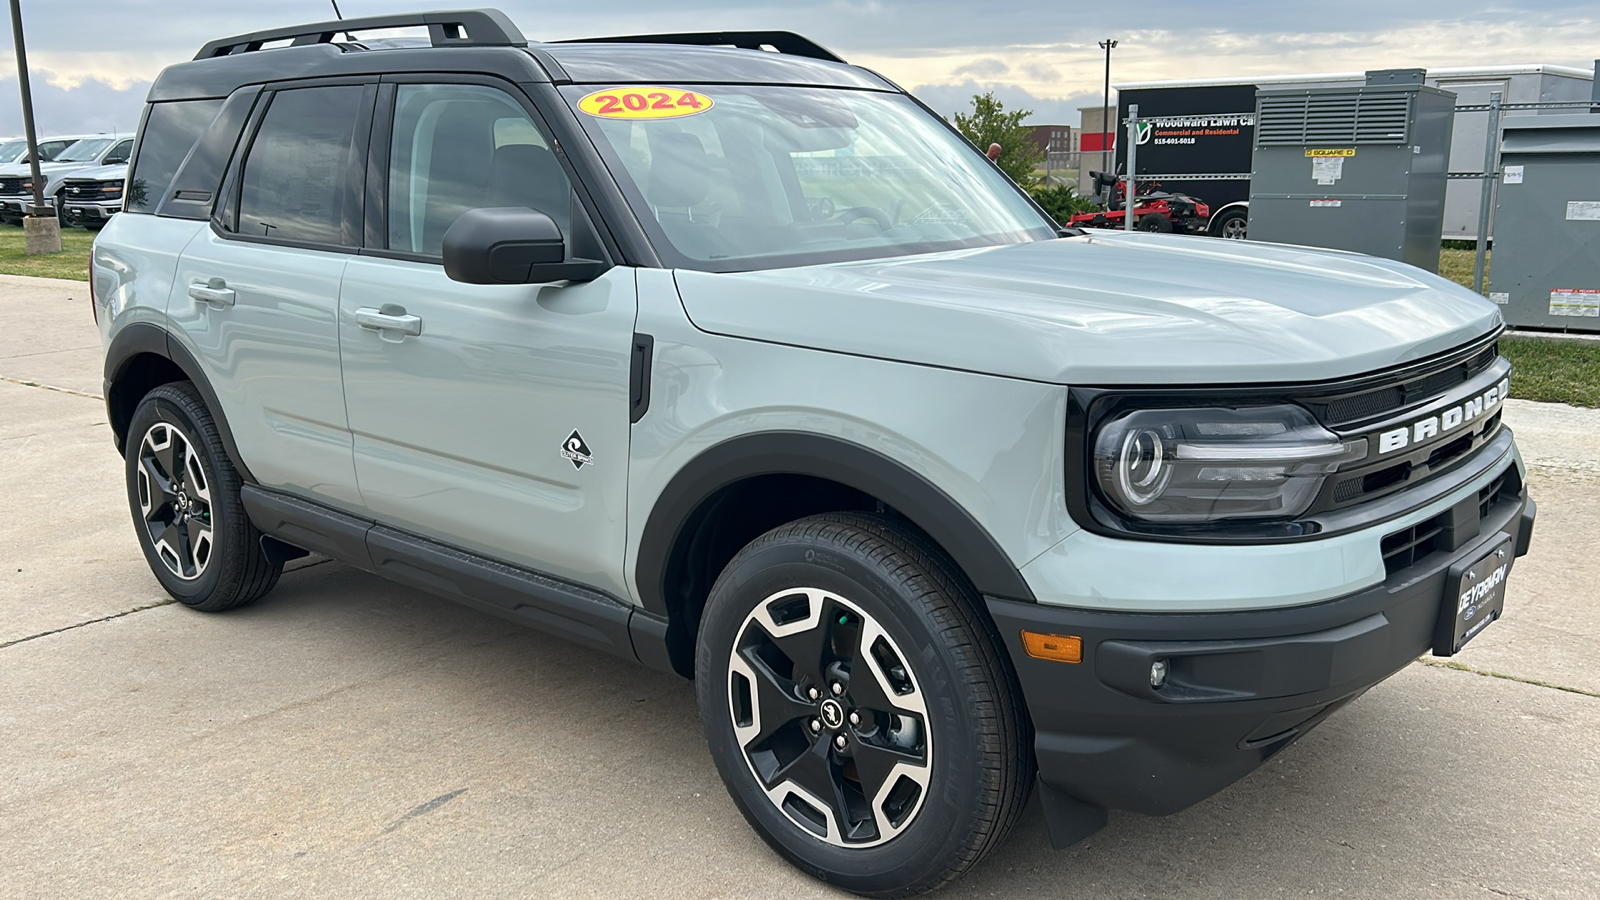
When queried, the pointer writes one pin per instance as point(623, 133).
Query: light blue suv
point(715, 353)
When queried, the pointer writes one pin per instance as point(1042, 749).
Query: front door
point(492, 418)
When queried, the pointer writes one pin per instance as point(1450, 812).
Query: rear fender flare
point(143, 338)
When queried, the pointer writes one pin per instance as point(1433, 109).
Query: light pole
point(1105, 102)
point(42, 230)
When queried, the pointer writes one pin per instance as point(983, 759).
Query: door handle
point(214, 291)
point(389, 318)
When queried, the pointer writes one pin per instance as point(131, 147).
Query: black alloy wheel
point(846, 759)
point(859, 707)
point(183, 492)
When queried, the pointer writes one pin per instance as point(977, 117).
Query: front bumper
point(1241, 685)
point(90, 213)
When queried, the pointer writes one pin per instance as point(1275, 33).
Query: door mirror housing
point(511, 245)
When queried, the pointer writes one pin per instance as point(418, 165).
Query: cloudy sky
point(93, 59)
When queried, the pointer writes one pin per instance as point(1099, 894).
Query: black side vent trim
point(639, 377)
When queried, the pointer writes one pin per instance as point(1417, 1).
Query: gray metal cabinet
point(1358, 168)
point(1546, 265)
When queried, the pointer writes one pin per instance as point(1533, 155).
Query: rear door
point(256, 294)
point(492, 418)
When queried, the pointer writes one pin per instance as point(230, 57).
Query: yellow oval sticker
point(636, 102)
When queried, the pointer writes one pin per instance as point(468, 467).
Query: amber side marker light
point(1061, 648)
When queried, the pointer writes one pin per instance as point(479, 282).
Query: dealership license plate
point(1478, 597)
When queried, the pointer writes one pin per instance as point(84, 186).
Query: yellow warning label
point(644, 103)
point(1315, 152)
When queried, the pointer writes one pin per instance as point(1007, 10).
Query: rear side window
point(169, 131)
point(294, 179)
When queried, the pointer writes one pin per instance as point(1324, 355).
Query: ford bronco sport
point(715, 353)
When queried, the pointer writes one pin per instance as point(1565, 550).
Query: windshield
point(11, 151)
point(84, 150)
point(738, 177)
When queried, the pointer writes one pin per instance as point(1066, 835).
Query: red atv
point(1153, 210)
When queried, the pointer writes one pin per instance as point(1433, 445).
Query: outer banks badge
point(576, 450)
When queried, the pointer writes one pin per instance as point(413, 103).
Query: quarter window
point(296, 174)
point(458, 147)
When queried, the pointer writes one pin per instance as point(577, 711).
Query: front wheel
point(184, 495)
point(857, 705)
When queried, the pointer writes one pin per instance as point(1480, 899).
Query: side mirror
point(114, 161)
point(511, 245)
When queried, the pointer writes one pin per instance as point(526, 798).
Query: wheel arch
point(143, 357)
point(739, 489)
point(1217, 214)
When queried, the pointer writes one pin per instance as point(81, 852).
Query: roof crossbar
point(457, 28)
point(786, 42)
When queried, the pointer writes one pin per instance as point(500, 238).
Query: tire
point(940, 717)
point(1155, 222)
point(193, 528)
point(1231, 225)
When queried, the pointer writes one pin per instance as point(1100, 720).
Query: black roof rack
point(458, 28)
point(786, 42)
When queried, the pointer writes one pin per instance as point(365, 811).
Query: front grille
point(1405, 548)
point(91, 191)
point(11, 185)
point(1378, 402)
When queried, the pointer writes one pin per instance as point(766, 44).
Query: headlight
point(1210, 464)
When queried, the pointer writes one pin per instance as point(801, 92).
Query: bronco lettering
point(1444, 422)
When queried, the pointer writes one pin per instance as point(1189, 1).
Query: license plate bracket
point(1475, 595)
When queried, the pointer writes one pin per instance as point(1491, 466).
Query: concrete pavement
point(348, 737)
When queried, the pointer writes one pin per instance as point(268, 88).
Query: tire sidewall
point(935, 832)
point(160, 407)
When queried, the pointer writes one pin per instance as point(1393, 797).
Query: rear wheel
point(858, 707)
point(1231, 225)
point(184, 495)
point(1156, 222)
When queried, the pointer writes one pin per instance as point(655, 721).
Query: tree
point(989, 123)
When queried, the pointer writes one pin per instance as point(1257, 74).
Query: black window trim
point(225, 221)
point(376, 225)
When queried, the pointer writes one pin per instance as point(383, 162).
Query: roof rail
point(458, 28)
point(786, 42)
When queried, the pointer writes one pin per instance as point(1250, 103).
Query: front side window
point(86, 150)
point(170, 130)
point(746, 176)
point(295, 176)
point(119, 153)
point(458, 147)
point(49, 150)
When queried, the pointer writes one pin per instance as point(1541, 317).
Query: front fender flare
point(801, 453)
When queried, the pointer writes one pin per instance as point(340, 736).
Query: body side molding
point(578, 613)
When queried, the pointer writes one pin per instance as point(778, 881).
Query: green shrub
point(1062, 202)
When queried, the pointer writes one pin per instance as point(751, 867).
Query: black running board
point(577, 613)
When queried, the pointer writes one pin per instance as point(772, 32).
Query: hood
point(102, 173)
point(48, 169)
point(1108, 308)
